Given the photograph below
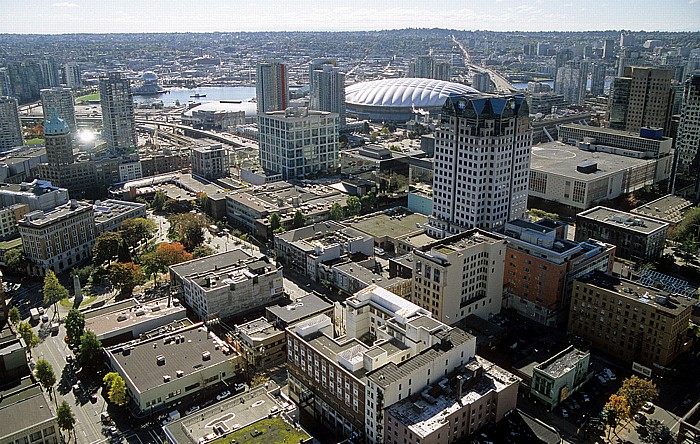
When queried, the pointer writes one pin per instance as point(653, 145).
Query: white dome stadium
point(396, 99)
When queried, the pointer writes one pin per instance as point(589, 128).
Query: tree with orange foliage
point(125, 276)
point(163, 256)
point(616, 410)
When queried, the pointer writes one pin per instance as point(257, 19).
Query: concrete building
point(127, 320)
point(272, 87)
point(688, 139)
point(580, 178)
point(571, 82)
point(58, 142)
point(429, 68)
point(650, 142)
point(689, 427)
point(641, 98)
point(327, 88)
point(110, 214)
point(27, 415)
point(460, 276)
point(210, 162)
point(58, 239)
point(161, 370)
point(13, 354)
point(392, 351)
point(470, 188)
point(72, 77)
point(481, 81)
point(227, 284)
point(261, 344)
point(10, 126)
point(9, 217)
point(560, 376)
point(117, 101)
point(668, 209)
point(304, 307)
point(545, 102)
point(297, 142)
point(637, 238)
point(541, 265)
point(59, 102)
point(634, 323)
point(304, 249)
point(38, 195)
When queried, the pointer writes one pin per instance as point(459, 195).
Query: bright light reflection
point(86, 136)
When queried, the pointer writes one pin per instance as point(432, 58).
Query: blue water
point(213, 93)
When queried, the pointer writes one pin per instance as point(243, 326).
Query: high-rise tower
point(482, 163)
point(646, 92)
point(119, 128)
point(10, 126)
point(71, 73)
point(688, 139)
point(597, 78)
point(571, 81)
point(59, 101)
point(59, 146)
point(327, 88)
point(272, 87)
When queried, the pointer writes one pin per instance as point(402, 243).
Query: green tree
point(354, 206)
point(15, 260)
point(109, 378)
point(106, 247)
point(75, 325)
point(83, 273)
point(188, 229)
point(616, 411)
point(298, 220)
point(137, 230)
point(159, 201)
point(45, 375)
point(125, 276)
point(654, 428)
point(638, 391)
point(117, 391)
point(30, 339)
point(123, 254)
point(65, 417)
point(689, 226)
point(275, 222)
point(202, 251)
point(689, 249)
point(336, 212)
point(13, 314)
point(368, 202)
point(202, 200)
point(90, 350)
point(53, 290)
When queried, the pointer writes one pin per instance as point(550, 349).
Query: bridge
point(502, 84)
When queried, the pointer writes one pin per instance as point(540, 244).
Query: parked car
point(640, 418)
point(648, 407)
point(93, 398)
point(192, 409)
point(223, 395)
point(239, 387)
point(564, 413)
point(105, 418)
point(585, 397)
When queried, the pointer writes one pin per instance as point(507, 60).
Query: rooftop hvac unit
point(166, 378)
point(121, 318)
point(179, 373)
point(160, 360)
point(206, 356)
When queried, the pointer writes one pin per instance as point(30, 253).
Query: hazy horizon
point(141, 16)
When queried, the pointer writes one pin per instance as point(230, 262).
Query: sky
point(103, 16)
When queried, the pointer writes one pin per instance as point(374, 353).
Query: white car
point(648, 407)
point(192, 409)
point(239, 387)
point(223, 395)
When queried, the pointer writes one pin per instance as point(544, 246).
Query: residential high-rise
point(428, 68)
point(5, 87)
point(59, 102)
point(49, 72)
point(10, 126)
point(25, 80)
point(286, 149)
point(688, 139)
point(609, 49)
point(597, 78)
point(563, 56)
point(327, 88)
point(272, 87)
point(71, 75)
point(119, 128)
point(646, 92)
point(481, 81)
point(571, 81)
point(482, 163)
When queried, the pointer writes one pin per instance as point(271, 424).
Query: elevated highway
point(502, 84)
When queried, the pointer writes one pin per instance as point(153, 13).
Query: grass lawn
point(94, 97)
point(271, 431)
point(35, 141)
point(68, 302)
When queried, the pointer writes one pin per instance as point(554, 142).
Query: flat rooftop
point(39, 219)
point(258, 329)
point(673, 305)
point(383, 225)
point(212, 263)
point(610, 131)
point(562, 160)
point(22, 406)
point(668, 208)
point(128, 318)
point(111, 208)
point(140, 365)
point(621, 219)
point(561, 363)
point(332, 348)
point(303, 308)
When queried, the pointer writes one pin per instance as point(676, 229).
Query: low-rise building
point(395, 230)
point(227, 284)
point(110, 214)
point(635, 237)
point(9, 217)
point(689, 427)
point(38, 195)
point(210, 162)
point(541, 265)
point(162, 370)
point(59, 239)
point(304, 249)
point(560, 376)
point(305, 307)
point(669, 208)
point(351, 277)
point(647, 140)
point(27, 415)
point(126, 320)
point(13, 355)
point(261, 343)
point(634, 323)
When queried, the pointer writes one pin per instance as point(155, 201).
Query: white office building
point(59, 102)
point(72, 76)
point(117, 100)
point(482, 163)
point(327, 89)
